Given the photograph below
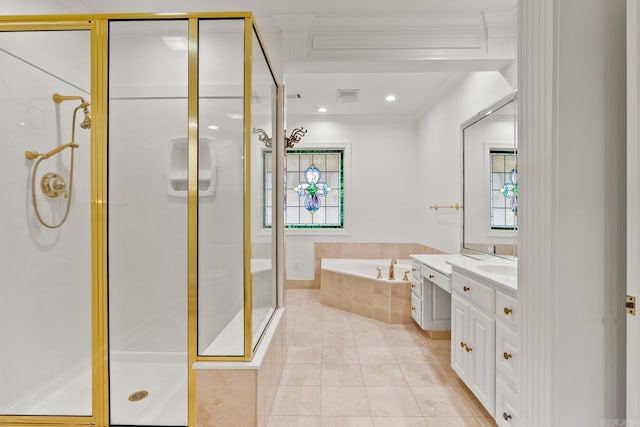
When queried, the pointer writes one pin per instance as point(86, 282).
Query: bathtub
point(352, 285)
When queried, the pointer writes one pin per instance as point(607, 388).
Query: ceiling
point(413, 49)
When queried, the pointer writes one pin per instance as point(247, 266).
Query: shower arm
point(57, 98)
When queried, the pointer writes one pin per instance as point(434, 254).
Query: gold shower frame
point(98, 25)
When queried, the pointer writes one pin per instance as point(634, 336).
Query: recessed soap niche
point(177, 175)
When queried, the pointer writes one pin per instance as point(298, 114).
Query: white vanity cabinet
point(473, 337)
point(484, 340)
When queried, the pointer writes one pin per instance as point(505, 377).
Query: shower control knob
point(53, 185)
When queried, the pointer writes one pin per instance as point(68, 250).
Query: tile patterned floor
point(347, 370)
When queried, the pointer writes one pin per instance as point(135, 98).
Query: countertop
point(475, 267)
point(439, 263)
point(446, 263)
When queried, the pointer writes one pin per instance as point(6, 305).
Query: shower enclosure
point(132, 244)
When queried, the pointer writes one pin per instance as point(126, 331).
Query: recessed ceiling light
point(322, 110)
point(176, 42)
point(234, 116)
point(213, 127)
point(390, 98)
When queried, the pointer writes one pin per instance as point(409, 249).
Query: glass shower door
point(147, 214)
point(45, 224)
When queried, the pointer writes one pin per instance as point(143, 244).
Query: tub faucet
point(392, 275)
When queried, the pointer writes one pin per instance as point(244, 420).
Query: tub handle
point(379, 276)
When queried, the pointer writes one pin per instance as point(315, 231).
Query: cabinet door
point(482, 343)
point(459, 315)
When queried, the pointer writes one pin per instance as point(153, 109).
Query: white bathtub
point(367, 268)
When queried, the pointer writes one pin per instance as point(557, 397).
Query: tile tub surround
point(388, 302)
point(343, 369)
point(242, 396)
point(357, 250)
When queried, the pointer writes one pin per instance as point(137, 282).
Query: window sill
point(266, 232)
point(315, 232)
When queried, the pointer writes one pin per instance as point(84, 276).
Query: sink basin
point(498, 268)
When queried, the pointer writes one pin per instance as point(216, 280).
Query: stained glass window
point(504, 189)
point(314, 188)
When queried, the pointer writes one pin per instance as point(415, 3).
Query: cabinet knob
point(413, 308)
point(431, 276)
point(462, 344)
point(413, 269)
point(507, 311)
point(413, 286)
point(468, 349)
point(506, 416)
point(466, 288)
point(507, 356)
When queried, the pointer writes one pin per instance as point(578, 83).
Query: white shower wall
point(45, 297)
point(147, 229)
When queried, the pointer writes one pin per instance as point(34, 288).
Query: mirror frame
point(511, 97)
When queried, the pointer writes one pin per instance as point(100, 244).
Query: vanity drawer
point(507, 309)
point(479, 294)
point(507, 354)
point(416, 309)
point(416, 287)
point(506, 405)
point(436, 277)
point(416, 272)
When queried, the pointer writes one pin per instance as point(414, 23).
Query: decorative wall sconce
point(294, 138)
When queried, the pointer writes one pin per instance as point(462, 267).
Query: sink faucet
point(392, 275)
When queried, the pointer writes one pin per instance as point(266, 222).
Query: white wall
point(572, 225)
point(439, 157)
point(381, 186)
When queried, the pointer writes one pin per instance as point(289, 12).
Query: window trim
point(504, 150)
point(346, 180)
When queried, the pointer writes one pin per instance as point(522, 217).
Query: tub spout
point(392, 274)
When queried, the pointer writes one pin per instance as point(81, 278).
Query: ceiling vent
point(347, 96)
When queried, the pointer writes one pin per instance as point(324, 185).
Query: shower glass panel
point(147, 222)
point(221, 188)
point(45, 289)
point(263, 116)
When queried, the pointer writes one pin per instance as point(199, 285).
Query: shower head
point(86, 123)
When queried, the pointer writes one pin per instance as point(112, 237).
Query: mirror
point(490, 185)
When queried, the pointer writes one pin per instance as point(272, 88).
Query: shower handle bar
point(32, 155)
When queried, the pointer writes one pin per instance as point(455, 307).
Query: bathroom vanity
point(431, 293)
point(484, 332)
